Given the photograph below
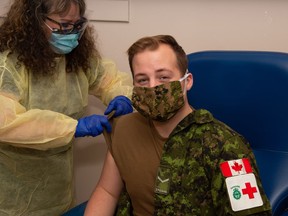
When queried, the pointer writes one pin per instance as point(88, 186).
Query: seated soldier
point(168, 158)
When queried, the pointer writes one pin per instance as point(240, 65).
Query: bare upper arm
point(105, 196)
point(110, 179)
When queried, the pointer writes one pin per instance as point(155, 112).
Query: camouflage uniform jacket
point(190, 159)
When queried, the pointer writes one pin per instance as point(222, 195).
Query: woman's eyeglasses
point(68, 28)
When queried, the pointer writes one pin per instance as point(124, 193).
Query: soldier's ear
point(189, 81)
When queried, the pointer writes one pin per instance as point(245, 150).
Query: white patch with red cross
point(241, 184)
point(243, 192)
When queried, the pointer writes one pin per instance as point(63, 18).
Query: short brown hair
point(152, 43)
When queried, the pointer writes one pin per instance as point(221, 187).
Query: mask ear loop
point(83, 30)
point(185, 81)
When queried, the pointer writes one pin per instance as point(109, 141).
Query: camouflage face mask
point(159, 103)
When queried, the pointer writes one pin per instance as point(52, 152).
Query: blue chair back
point(248, 90)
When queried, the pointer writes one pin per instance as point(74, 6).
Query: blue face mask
point(63, 43)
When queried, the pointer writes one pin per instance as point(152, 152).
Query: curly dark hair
point(22, 33)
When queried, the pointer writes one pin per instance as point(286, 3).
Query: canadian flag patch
point(236, 167)
point(243, 192)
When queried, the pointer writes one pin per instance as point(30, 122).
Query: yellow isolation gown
point(38, 118)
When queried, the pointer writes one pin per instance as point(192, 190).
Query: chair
point(77, 210)
point(248, 90)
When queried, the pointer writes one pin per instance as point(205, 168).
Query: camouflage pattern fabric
point(160, 102)
point(190, 160)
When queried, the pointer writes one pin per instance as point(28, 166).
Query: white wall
point(197, 25)
point(200, 25)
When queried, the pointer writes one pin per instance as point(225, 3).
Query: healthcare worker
point(48, 65)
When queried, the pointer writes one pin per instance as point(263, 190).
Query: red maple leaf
point(237, 167)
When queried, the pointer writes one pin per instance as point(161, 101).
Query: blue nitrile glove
point(121, 104)
point(92, 126)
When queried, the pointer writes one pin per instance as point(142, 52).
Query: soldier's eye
point(164, 78)
point(142, 81)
